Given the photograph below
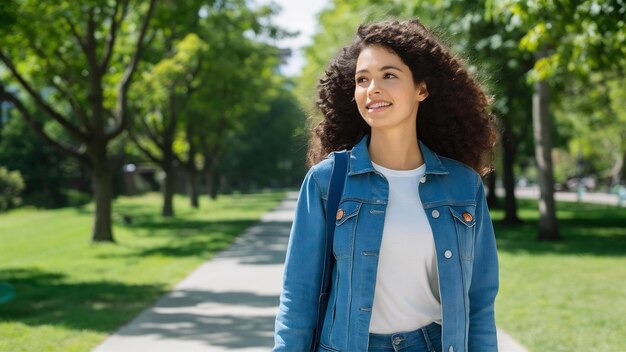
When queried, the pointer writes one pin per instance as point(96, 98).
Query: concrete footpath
point(228, 303)
point(587, 197)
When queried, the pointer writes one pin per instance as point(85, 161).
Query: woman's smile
point(377, 106)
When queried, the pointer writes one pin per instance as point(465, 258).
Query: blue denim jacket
point(454, 201)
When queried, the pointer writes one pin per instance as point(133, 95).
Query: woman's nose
point(373, 88)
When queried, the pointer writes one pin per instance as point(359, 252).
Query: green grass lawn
point(568, 295)
point(70, 294)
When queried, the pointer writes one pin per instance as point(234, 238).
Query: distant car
point(589, 182)
point(523, 182)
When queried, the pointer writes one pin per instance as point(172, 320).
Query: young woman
point(416, 265)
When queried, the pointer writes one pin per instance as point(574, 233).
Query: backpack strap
point(335, 191)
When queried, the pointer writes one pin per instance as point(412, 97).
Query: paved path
point(587, 197)
point(227, 304)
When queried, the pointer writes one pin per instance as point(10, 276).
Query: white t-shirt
point(407, 287)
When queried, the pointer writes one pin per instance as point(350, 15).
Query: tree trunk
point(215, 182)
point(190, 165)
point(492, 198)
point(168, 190)
point(211, 181)
point(168, 156)
point(102, 181)
point(623, 171)
point(210, 175)
point(548, 229)
point(616, 170)
point(508, 178)
point(193, 188)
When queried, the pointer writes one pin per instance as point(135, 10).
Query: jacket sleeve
point(484, 285)
point(297, 314)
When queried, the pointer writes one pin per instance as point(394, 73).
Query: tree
point(566, 38)
point(212, 73)
point(247, 67)
point(75, 61)
point(271, 150)
point(542, 131)
point(592, 115)
point(171, 66)
point(166, 87)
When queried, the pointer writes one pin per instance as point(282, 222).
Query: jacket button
point(467, 217)
point(435, 213)
point(451, 349)
point(339, 214)
point(422, 179)
point(447, 254)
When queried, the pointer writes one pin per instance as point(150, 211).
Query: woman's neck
point(397, 150)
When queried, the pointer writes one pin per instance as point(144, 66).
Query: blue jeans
point(425, 339)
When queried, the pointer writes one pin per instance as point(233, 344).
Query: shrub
point(76, 198)
point(11, 187)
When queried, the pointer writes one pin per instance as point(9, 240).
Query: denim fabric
point(425, 339)
point(454, 200)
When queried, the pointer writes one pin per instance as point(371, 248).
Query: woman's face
point(384, 91)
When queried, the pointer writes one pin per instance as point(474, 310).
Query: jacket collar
point(360, 161)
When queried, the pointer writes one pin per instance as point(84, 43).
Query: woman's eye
point(360, 80)
point(389, 75)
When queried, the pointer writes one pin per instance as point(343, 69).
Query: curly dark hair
point(454, 121)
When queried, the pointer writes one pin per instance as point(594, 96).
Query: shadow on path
point(266, 245)
point(224, 319)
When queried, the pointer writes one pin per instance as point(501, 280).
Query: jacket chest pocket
point(345, 226)
point(465, 225)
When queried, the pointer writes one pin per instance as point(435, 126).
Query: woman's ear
point(422, 91)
